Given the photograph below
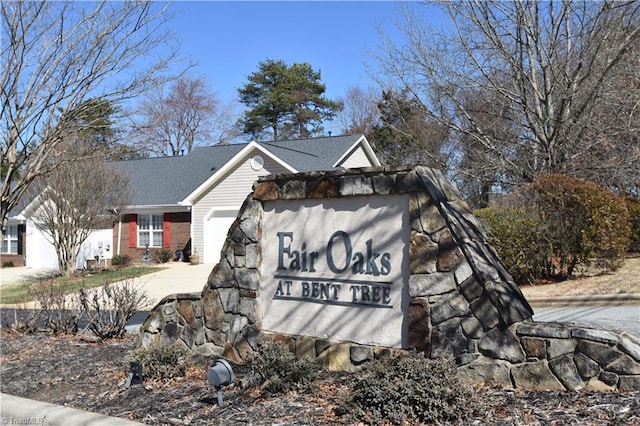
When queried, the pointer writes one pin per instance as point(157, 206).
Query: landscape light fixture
point(135, 374)
point(220, 375)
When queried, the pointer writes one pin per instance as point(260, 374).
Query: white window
point(10, 240)
point(150, 230)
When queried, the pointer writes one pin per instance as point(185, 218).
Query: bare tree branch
point(359, 113)
point(76, 198)
point(170, 123)
point(543, 65)
point(55, 56)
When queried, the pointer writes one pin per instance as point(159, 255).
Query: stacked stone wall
point(462, 301)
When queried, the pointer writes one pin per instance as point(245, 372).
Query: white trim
point(230, 165)
point(367, 149)
point(165, 208)
point(215, 209)
point(151, 231)
point(119, 232)
point(257, 162)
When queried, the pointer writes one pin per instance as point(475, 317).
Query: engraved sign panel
point(335, 268)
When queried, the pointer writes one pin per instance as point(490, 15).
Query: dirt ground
point(90, 376)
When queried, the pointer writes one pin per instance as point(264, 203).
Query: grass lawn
point(19, 293)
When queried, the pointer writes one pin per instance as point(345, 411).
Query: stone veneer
point(463, 302)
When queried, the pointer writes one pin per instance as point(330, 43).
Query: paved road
point(625, 317)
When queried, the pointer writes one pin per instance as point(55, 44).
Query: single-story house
point(188, 202)
point(26, 245)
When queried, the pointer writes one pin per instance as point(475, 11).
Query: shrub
point(570, 222)
point(8, 264)
point(277, 370)
point(23, 321)
point(162, 255)
point(581, 221)
point(515, 234)
point(59, 311)
point(410, 388)
point(108, 308)
point(54, 311)
point(121, 261)
point(633, 206)
point(160, 361)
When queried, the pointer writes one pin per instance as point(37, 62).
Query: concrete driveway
point(10, 276)
point(172, 277)
point(177, 277)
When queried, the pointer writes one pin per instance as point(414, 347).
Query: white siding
point(229, 193)
point(358, 158)
point(41, 253)
point(98, 243)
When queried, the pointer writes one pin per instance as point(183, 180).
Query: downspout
point(119, 233)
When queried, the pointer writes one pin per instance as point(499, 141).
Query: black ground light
point(135, 374)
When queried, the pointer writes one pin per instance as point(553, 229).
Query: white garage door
point(215, 233)
point(40, 252)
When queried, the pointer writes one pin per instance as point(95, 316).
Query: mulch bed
point(80, 373)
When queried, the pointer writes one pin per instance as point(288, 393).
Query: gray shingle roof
point(23, 203)
point(169, 180)
point(308, 155)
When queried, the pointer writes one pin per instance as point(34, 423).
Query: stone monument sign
point(349, 265)
point(336, 268)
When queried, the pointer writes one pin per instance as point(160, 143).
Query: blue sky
point(229, 39)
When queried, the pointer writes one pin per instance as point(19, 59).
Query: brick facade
point(17, 259)
point(179, 238)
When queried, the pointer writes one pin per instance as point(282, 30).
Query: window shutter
point(133, 230)
point(166, 231)
point(21, 232)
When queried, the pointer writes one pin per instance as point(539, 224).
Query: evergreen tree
point(285, 101)
point(407, 136)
